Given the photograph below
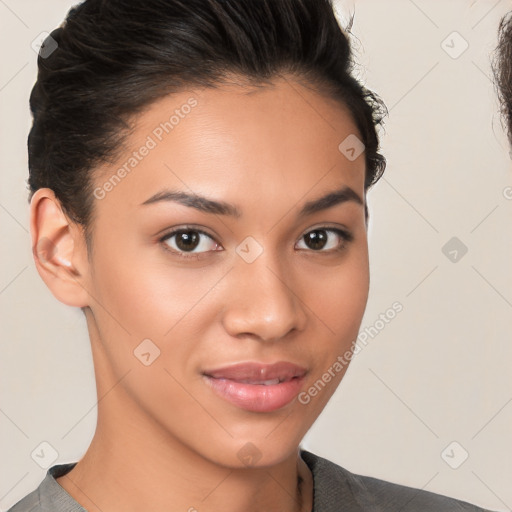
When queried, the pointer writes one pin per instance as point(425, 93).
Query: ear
point(59, 249)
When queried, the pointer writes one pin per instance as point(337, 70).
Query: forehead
point(281, 138)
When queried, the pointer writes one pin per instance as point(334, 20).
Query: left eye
point(324, 239)
point(190, 240)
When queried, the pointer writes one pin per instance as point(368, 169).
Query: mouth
point(257, 387)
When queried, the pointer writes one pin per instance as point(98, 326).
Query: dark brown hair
point(115, 57)
point(502, 67)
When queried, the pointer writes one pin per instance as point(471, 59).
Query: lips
point(257, 387)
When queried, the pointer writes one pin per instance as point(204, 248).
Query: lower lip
point(256, 397)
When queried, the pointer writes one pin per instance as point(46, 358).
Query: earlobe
point(59, 250)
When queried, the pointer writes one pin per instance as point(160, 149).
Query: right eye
point(189, 242)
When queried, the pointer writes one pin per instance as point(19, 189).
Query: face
point(229, 267)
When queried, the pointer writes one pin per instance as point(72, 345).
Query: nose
point(262, 301)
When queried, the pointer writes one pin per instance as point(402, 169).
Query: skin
point(163, 437)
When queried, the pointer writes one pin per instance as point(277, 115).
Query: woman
point(198, 175)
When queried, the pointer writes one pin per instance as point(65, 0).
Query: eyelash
point(343, 234)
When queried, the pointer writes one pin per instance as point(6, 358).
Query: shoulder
point(49, 495)
point(30, 502)
point(335, 486)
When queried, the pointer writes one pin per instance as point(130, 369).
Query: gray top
point(335, 490)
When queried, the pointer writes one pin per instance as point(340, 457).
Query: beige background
point(438, 372)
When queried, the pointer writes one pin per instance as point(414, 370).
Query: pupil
point(187, 240)
point(316, 239)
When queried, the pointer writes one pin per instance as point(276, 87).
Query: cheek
point(339, 295)
point(340, 299)
point(145, 298)
point(146, 295)
point(137, 301)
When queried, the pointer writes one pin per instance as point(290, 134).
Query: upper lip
point(258, 372)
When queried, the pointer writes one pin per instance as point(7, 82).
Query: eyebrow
point(203, 204)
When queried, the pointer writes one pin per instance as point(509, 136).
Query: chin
point(257, 451)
